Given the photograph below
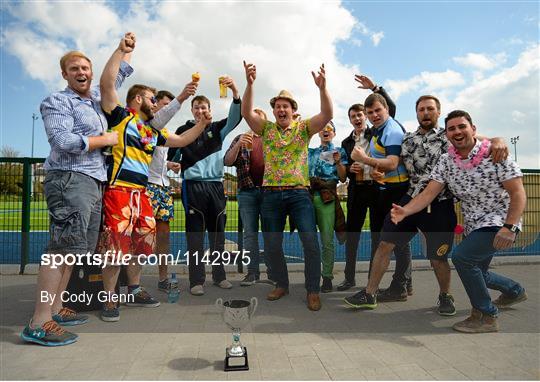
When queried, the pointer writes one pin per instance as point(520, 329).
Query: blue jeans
point(471, 259)
point(249, 206)
point(275, 208)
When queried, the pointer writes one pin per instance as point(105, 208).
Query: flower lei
point(145, 131)
point(475, 160)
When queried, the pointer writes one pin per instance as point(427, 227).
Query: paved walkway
point(400, 340)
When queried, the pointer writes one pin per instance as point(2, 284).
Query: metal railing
point(24, 219)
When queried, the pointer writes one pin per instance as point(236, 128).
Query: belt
point(284, 188)
point(366, 183)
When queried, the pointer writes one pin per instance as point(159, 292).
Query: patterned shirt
point(133, 153)
point(484, 201)
point(285, 154)
point(386, 141)
point(420, 153)
point(69, 120)
point(321, 162)
point(243, 165)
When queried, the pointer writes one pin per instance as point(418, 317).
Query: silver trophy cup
point(236, 314)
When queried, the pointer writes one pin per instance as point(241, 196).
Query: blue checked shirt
point(69, 120)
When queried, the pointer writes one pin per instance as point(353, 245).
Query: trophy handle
point(253, 306)
point(219, 303)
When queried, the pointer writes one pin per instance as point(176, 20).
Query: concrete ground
point(285, 341)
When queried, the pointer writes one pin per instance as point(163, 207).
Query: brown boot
point(277, 293)
point(477, 322)
point(313, 301)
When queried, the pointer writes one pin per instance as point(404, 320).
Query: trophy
point(236, 314)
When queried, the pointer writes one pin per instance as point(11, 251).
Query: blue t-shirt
point(321, 163)
point(386, 141)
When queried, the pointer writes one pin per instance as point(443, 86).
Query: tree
point(10, 173)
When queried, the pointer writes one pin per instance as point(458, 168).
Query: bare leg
point(162, 237)
point(134, 273)
point(48, 282)
point(379, 265)
point(66, 275)
point(442, 272)
point(110, 278)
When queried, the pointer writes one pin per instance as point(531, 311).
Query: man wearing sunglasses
point(129, 224)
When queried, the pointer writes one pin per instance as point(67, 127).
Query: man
point(129, 224)
point(493, 200)
point(203, 195)
point(326, 167)
point(76, 130)
point(384, 155)
point(158, 185)
point(246, 153)
point(420, 153)
point(285, 181)
point(362, 190)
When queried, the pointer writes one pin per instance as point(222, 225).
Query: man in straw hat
point(285, 181)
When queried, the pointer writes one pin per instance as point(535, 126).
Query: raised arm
point(254, 121)
point(417, 204)
point(109, 96)
point(190, 135)
point(165, 114)
point(319, 121)
point(367, 83)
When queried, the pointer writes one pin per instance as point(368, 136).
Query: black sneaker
point(392, 294)
point(326, 286)
point(163, 285)
point(362, 299)
point(140, 297)
point(446, 305)
point(345, 285)
point(250, 279)
point(110, 312)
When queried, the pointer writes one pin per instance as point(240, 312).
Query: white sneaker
point(224, 284)
point(197, 290)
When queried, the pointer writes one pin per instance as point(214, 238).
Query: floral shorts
point(129, 224)
point(162, 202)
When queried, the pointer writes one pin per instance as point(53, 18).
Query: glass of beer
point(249, 146)
point(222, 87)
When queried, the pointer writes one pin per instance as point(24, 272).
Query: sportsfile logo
point(113, 258)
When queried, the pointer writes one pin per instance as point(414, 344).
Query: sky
point(482, 57)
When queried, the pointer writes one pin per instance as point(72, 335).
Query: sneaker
point(197, 290)
point(345, 285)
point(163, 285)
point(110, 312)
point(68, 317)
point(250, 279)
point(326, 286)
point(362, 299)
point(223, 284)
point(477, 322)
point(391, 294)
point(140, 297)
point(50, 334)
point(410, 290)
point(505, 301)
point(446, 305)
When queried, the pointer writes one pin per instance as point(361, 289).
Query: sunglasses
point(152, 98)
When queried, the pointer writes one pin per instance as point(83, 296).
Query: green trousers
point(325, 215)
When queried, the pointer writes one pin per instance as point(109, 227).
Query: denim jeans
point(471, 259)
point(249, 206)
point(275, 208)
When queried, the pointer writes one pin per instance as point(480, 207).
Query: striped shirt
point(69, 120)
point(133, 153)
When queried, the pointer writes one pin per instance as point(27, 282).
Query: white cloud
point(425, 82)
point(480, 61)
point(518, 117)
point(375, 37)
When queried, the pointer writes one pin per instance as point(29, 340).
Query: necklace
point(145, 131)
point(475, 160)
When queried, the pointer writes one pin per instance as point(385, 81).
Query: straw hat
point(284, 94)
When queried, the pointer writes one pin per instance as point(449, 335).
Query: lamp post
point(34, 119)
point(514, 141)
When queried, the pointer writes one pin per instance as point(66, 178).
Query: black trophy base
point(236, 363)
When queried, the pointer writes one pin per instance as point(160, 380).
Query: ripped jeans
point(74, 203)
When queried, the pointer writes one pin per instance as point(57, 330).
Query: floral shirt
point(321, 162)
point(285, 154)
point(420, 153)
point(484, 201)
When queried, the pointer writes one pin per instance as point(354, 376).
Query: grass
point(11, 215)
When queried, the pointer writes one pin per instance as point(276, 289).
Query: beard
point(147, 110)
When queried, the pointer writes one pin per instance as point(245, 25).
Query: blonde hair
point(261, 113)
point(138, 89)
point(72, 54)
